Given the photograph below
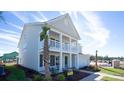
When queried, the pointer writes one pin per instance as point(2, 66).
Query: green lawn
point(106, 78)
point(112, 71)
point(15, 73)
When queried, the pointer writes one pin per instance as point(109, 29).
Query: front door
point(66, 61)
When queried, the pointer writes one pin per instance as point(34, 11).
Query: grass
point(15, 74)
point(112, 71)
point(106, 78)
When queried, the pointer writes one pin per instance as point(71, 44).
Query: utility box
point(2, 70)
point(115, 63)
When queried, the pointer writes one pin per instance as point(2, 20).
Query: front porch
point(59, 61)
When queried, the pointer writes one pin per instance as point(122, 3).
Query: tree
point(121, 58)
point(92, 58)
point(44, 36)
point(100, 57)
point(107, 58)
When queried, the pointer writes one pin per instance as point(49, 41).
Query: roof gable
point(65, 25)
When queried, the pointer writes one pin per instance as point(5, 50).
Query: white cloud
point(8, 31)
point(22, 16)
point(8, 41)
point(25, 16)
point(97, 30)
point(91, 29)
point(16, 26)
point(8, 44)
point(38, 19)
point(1, 52)
point(38, 16)
point(63, 12)
point(9, 35)
point(42, 16)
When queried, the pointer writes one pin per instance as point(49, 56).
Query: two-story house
point(64, 49)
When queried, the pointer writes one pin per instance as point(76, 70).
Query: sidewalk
point(97, 76)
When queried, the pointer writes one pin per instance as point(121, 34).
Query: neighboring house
point(9, 57)
point(115, 63)
point(1, 59)
point(65, 51)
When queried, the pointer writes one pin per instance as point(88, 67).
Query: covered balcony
point(66, 44)
point(54, 40)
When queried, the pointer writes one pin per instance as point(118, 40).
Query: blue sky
point(98, 30)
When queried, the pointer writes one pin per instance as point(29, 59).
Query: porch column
point(70, 44)
point(77, 62)
point(61, 41)
point(60, 64)
point(70, 62)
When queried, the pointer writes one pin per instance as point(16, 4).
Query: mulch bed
point(75, 77)
point(90, 68)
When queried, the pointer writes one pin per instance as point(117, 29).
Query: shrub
point(16, 74)
point(38, 78)
point(65, 72)
point(61, 77)
point(94, 68)
point(48, 78)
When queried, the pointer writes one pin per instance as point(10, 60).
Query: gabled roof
point(65, 25)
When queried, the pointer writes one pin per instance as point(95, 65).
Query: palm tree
point(44, 36)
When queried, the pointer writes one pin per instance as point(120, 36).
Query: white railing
point(74, 49)
point(65, 47)
point(53, 44)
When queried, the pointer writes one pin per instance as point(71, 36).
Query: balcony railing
point(65, 47)
point(56, 45)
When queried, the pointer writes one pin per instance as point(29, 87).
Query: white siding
point(28, 49)
point(84, 60)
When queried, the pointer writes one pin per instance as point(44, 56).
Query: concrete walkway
point(97, 76)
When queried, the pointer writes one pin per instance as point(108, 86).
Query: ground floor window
point(57, 62)
point(52, 60)
point(66, 61)
point(41, 60)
